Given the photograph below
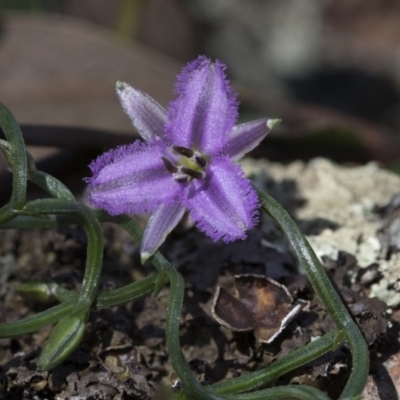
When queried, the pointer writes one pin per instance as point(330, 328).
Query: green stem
point(127, 293)
point(267, 376)
point(300, 392)
point(328, 295)
point(115, 297)
point(36, 322)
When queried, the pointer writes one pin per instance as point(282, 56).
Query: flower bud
point(35, 291)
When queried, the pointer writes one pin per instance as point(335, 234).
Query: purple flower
point(187, 161)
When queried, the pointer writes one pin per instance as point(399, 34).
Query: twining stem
point(323, 287)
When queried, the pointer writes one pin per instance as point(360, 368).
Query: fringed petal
point(245, 137)
point(131, 179)
point(224, 205)
point(206, 109)
point(146, 115)
point(160, 224)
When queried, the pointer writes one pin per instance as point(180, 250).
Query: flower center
point(190, 165)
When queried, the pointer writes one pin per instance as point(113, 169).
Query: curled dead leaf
point(259, 304)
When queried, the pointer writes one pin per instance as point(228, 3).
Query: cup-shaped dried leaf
point(259, 304)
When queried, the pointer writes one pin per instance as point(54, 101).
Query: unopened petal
point(131, 179)
point(245, 137)
point(224, 205)
point(146, 115)
point(206, 109)
point(160, 224)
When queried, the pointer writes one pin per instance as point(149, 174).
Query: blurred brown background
point(330, 69)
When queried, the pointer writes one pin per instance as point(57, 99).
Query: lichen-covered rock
point(335, 207)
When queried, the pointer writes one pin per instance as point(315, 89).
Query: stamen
point(168, 164)
point(183, 151)
point(200, 161)
point(192, 173)
point(181, 178)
